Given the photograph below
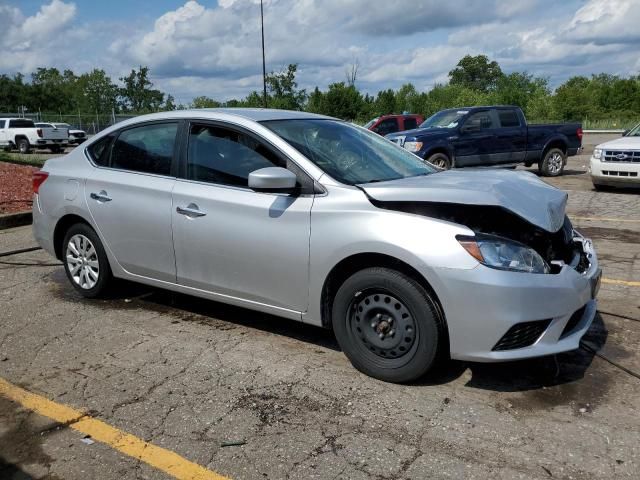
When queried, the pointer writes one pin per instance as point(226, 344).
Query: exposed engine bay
point(555, 248)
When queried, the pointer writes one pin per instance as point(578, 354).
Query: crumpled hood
point(522, 193)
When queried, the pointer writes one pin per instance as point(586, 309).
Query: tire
point(56, 149)
point(600, 188)
point(440, 160)
point(553, 162)
point(93, 280)
point(23, 145)
point(387, 325)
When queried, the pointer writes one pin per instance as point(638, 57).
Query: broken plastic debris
point(87, 440)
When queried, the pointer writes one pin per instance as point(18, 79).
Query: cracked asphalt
point(190, 375)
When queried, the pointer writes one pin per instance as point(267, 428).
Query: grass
point(31, 159)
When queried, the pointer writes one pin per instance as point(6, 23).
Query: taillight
point(579, 133)
point(38, 179)
point(39, 132)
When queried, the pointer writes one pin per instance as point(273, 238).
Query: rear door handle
point(101, 197)
point(190, 210)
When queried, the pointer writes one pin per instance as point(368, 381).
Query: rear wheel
point(85, 261)
point(23, 145)
point(440, 160)
point(56, 149)
point(552, 164)
point(387, 324)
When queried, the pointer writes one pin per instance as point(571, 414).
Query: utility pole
point(264, 66)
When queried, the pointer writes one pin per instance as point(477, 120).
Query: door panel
point(246, 244)
point(133, 214)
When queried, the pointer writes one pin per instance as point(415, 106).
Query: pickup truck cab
point(491, 136)
point(386, 124)
point(22, 133)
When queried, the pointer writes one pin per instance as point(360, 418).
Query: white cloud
point(606, 21)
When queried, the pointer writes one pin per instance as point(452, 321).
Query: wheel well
point(561, 144)
point(350, 265)
point(61, 229)
point(20, 137)
point(437, 150)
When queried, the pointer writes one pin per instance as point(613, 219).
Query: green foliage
point(204, 102)
point(476, 73)
point(137, 94)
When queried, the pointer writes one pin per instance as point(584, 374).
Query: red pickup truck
point(386, 124)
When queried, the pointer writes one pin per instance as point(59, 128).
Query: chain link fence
point(90, 123)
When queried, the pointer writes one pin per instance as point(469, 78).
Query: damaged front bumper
point(495, 315)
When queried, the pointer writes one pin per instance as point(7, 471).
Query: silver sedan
point(314, 219)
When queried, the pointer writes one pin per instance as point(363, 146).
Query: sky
point(212, 48)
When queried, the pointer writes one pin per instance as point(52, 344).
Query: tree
point(476, 73)
point(282, 90)
point(50, 90)
point(205, 102)
point(351, 72)
point(95, 92)
point(572, 99)
point(137, 94)
point(342, 101)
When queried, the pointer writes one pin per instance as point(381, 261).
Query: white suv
point(617, 163)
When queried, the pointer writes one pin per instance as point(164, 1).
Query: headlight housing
point(597, 153)
point(413, 146)
point(504, 254)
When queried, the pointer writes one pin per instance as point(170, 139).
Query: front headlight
point(413, 146)
point(597, 153)
point(504, 254)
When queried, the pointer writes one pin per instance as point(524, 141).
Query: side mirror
point(272, 179)
point(469, 128)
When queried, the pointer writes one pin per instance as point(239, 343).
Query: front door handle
point(190, 210)
point(101, 197)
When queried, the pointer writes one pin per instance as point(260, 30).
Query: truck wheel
point(56, 149)
point(552, 164)
point(387, 325)
point(23, 145)
point(440, 160)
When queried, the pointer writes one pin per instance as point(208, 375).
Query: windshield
point(370, 123)
point(634, 132)
point(444, 119)
point(348, 153)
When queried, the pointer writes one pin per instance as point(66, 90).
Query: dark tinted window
point(483, 120)
point(508, 118)
point(219, 155)
point(21, 123)
point(390, 125)
point(100, 151)
point(410, 123)
point(147, 149)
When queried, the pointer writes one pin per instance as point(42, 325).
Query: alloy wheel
point(555, 163)
point(82, 262)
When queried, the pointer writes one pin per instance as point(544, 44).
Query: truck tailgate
point(49, 133)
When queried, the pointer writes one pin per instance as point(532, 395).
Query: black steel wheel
point(387, 324)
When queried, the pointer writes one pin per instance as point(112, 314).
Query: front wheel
point(85, 261)
point(440, 160)
point(552, 164)
point(387, 324)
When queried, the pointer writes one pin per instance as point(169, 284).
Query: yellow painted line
point(160, 458)
point(613, 281)
point(605, 219)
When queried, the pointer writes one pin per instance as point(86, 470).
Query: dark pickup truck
point(491, 136)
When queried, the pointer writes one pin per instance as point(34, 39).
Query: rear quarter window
point(100, 151)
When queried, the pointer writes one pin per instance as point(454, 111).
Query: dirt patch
point(615, 234)
point(15, 187)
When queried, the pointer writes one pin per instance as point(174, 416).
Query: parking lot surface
point(251, 396)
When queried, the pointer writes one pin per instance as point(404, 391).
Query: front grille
point(573, 322)
point(78, 135)
point(522, 335)
point(615, 173)
point(622, 156)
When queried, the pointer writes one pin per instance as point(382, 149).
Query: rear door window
point(100, 151)
point(21, 123)
point(410, 123)
point(145, 149)
point(508, 118)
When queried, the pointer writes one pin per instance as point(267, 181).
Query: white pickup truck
point(21, 133)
